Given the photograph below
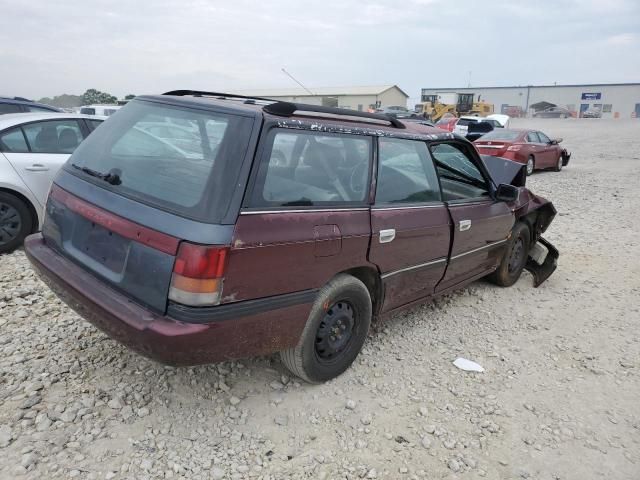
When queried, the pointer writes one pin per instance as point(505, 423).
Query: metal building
point(611, 100)
point(355, 98)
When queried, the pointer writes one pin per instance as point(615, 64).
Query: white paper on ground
point(467, 365)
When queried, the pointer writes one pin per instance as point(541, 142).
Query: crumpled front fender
point(543, 271)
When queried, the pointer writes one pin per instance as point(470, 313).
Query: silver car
point(33, 146)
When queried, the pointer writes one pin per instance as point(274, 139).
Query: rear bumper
point(162, 337)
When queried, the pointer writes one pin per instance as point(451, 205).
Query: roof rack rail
point(201, 93)
point(286, 109)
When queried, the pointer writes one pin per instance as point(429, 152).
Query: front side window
point(88, 111)
point(543, 138)
point(12, 141)
point(405, 173)
point(53, 136)
point(304, 169)
point(460, 178)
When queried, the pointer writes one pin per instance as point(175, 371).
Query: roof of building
point(630, 84)
point(322, 91)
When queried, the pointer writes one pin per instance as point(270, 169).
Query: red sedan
point(530, 147)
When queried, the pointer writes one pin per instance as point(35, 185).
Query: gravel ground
point(558, 399)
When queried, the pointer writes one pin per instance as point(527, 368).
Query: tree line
point(90, 97)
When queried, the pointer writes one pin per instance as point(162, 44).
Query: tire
point(531, 165)
point(558, 166)
point(510, 268)
point(15, 222)
point(324, 350)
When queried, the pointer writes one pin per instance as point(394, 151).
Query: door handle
point(388, 235)
point(465, 225)
point(37, 167)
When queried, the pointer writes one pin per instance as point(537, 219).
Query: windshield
point(501, 135)
point(181, 160)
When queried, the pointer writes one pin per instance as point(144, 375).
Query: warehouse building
point(611, 100)
point(355, 98)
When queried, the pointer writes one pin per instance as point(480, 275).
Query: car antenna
point(299, 83)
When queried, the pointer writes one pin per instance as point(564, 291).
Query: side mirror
point(507, 193)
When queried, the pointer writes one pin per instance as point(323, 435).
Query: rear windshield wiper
point(112, 178)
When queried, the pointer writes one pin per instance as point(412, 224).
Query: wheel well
point(32, 209)
point(371, 278)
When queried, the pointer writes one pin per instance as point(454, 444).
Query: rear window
point(181, 160)
point(501, 135)
point(466, 121)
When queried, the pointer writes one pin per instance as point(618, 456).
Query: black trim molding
point(239, 309)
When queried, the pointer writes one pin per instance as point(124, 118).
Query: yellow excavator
point(432, 108)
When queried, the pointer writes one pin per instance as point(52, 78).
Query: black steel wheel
point(334, 333)
point(15, 222)
point(514, 258)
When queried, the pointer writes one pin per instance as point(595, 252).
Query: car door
point(481, 225)
point(550, 152)
point(409, 222)
point(306, 216)
point(535, 148)
point(48, 146)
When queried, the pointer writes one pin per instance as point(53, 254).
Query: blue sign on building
point(592, 96)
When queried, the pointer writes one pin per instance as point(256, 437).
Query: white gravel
point(558, 399)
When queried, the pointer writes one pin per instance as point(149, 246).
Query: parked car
point(592, 113)
point(530, 147)
point(395, 110)
point(20, 105)
point(461, 126)
point(553, 112)
point(33, 146)
point(101, 110)
point(447, 123)
point(263, 245)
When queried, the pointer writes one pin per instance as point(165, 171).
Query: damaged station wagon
point(198, 227)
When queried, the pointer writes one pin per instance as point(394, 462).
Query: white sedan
point(33, 147)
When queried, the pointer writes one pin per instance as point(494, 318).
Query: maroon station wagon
point(199, 227)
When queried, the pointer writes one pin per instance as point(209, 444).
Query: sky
point(122, 46)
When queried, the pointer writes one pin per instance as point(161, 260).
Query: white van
point(104, 110)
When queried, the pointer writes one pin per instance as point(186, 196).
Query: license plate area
point(101, 245)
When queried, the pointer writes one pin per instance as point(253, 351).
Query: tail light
point(514, 148)
point(198, 274)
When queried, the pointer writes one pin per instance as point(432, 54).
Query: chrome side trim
point(414, 267)
point(311, 210)
point(378, 209)
point(484, 247)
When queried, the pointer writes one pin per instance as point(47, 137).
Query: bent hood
point(505, 171)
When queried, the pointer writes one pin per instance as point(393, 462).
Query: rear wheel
point(335, 331)
point(15, 222)
point(514, 258)
point(531, 165)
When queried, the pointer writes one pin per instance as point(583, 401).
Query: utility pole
point(469, 83)
point(299, 83)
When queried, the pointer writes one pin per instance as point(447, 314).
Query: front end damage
point(535, 211)
point(538, 213)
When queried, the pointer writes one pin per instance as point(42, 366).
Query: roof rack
point(201, 93)
point(286, 109)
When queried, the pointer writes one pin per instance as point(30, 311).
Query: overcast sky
point(120, 46)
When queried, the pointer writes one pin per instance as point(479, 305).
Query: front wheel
point(514, 258)
point(558, 166)
point(335, 331)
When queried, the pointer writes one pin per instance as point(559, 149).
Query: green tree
point(93, 96)
point(131, 96)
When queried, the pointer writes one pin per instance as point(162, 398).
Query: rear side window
point(88, 111)
point(532, 137)
point(93, 124)
point(304, 169)
point(12, 141)
point(53, 136)
point(9, 108)
point(182, 160)
point(406, 173)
